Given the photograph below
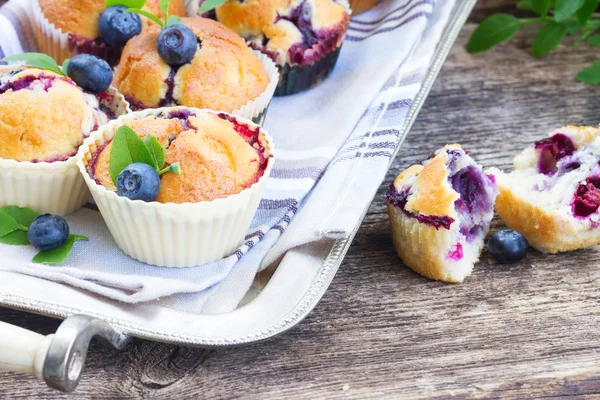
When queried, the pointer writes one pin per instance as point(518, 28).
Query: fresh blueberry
point(48, 232)
point(177, 45)
point(90, 73)
point(117, 26)
point(138, 181)
point(507, 246)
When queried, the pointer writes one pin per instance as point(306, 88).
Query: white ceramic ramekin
point(173, 235)
point(50, 187)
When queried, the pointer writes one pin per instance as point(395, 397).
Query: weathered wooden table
point(525, 330)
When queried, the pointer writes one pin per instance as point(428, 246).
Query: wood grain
point(528, 330)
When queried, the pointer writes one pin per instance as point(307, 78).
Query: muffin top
point(44, 116)
point(288, 26)
point(81, 16)
point(223, 75)
point(219, 156)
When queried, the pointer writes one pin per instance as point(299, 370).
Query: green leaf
point(208, 5)
point(55, 256)
point(547, 38)
point(156, 151)
point(493, 30)
point(23, 216)
point(126, 3)
point(594, 40)
point(587, 10)
point(540, 7)
point(127, 148)
point(174, 168)
point(174, 20)
point(565, 8)
point(590, 74)
point(37, 60)
point(79, 238)
point(148, 15)
point(164, 6)
point(17, 238)
point(65, 66)
point(8, 224)
point(572, 27)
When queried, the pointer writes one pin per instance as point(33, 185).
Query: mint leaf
point(65, 66)
point(147, 14)
point(127, 148)
point(586, 11)
point(493, 30)
point(174, 168)
point(540, 7)
point(37, 60)
point(590, 74)
point(547, 38)
point(126, 3)
point(156, 151)
point(8, 224)
point(174, 20)
point(55, 256)
point(572, 27)
point(17, 238)
point(565, 8)
point(23, 216)
point(79, 238)
point(594, 40)
point(164, 7)
point(208, 5)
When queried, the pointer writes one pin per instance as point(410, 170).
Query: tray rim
point(327, 270)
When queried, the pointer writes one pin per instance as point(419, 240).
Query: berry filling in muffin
point(440, 212)
point(553, 195)
point(45, 116)
point(218, 155)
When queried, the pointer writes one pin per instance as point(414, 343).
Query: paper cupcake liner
point(50, 187)
point(256, 110)
point(60, 46)
point(169, 234)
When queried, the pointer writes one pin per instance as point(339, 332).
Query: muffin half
point(440, 213)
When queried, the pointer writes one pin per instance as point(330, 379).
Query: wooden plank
point(381, 331)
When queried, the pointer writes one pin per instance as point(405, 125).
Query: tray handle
point(57, 358)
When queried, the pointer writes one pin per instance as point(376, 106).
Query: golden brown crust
point(81, 16)
point(43, 124)
point(215, 160)
point(224, 74)
point(422, 247)
point(258, 17)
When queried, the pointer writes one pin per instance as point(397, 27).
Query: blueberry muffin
point(45, 116)
point(553, 195)
point(201, 214)
point(440, 212)
point(303, 37)
point(223, 74)
point(218, 156)
point(68, 27)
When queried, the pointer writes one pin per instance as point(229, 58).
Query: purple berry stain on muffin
point(586, 200)
point(399, 199)
point(552, 150)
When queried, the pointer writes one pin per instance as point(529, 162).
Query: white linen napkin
point(334, 144)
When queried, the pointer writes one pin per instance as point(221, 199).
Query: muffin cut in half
point(553, 195)
point(440, 212)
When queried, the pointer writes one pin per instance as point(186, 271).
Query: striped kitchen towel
point(334, 144)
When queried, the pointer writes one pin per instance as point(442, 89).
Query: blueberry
point(507, 246)
point(117, 26)
point(48, 232)
point(177, 45)
point(90, 73)
point(138, 181)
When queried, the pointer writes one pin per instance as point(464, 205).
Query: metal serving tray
point(280, 298)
